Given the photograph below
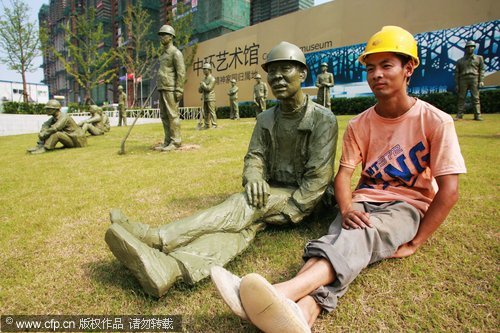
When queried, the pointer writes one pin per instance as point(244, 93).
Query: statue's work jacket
point(472, 66)
point(207, 88)
point(172, 70)
point(314, 154)
point(64, 123)
point(260, 90)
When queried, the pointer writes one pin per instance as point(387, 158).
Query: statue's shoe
point(141, 231)
point(269, 310)
point(228, 286)
point(155, 271)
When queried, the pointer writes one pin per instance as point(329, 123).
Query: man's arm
point(443, 202)
point(343, 195)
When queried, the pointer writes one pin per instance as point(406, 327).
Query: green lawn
point(54, 213)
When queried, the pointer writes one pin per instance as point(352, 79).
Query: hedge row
point(490, 103)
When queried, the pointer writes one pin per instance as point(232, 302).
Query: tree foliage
point(137, 51)
point(182, 22)
point(86, 59)
point(19, 41)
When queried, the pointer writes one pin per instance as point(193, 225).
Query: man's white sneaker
point(228, 286)
point(269, 310)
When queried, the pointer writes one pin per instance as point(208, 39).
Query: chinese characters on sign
point(235, 59)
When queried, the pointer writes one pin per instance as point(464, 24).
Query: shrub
point(23, 108)
point(446, 101)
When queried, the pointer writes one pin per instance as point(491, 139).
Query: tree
point(138, 52)
point(87, 61)
point(182, 22)
point(19, 40)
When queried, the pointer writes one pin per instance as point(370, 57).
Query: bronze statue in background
point(234, 112)
point(122, 105)
point(260, 93)
point(469, 76)
point(171, 79)
point(324, 82)
point(59, 128)
point(207, 91)
point(94, 124)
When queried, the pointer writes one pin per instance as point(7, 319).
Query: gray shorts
point(350, 251)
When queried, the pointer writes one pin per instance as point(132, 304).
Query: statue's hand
point(178, 96)
point(257, 192)
point(481, 84)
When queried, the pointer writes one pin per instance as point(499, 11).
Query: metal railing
point(186, 113)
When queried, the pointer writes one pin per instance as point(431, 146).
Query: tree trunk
point(25, 86)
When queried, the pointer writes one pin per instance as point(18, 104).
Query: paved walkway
point(14, 124)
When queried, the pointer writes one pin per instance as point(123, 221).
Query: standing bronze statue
point(260, 93)
point(234, 112)
point(171, 77)
point(287, 170)
point(122, 105)
point(59, 128)
point(94, 125)
point(469, 75)
point(207, 91)
point(324, 82)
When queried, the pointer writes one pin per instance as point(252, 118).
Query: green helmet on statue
point(285, 51)
point(166, 29)
point(52, 106)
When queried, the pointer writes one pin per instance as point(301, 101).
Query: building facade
point(263, 10)
point(211, 19)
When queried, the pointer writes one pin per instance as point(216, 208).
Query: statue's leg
point(206, 113)
point(230, 216)
point(164, 117)
point(51, 142)
point(474, 93)
point(213, 114)
point(141, 231)
point(210, 250)
point(462, 92)
point(155, 270)
point(65, 140)
point(174, 123)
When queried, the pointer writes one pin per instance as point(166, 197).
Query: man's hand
point(257, 193)
point(405, 250)
point(354, 219)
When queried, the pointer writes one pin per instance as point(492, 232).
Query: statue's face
point(469, 50)
point(165, 39)
point(324, 68)
point(206, 71)
point(51, 112)
point(285, 78)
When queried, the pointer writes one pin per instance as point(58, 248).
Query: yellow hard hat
point(391, 39)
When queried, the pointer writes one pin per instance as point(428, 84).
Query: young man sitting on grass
point(410, 159)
